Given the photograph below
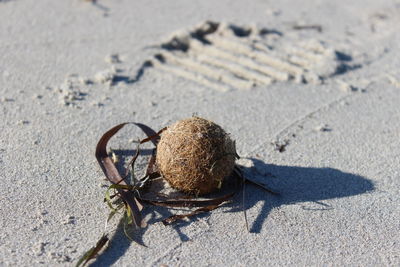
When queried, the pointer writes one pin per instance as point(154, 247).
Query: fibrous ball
point(195, 155)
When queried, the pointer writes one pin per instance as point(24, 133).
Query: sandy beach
point(309, 90)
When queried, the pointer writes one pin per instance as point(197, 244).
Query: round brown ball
point(195, 155)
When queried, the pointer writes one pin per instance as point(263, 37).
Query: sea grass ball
point(195, 155)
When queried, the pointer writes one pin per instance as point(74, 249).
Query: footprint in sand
point(225, 56)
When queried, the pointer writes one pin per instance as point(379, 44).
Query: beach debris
point(195, 155)
point(114, 157)
point(92, 253)
point(129, 199)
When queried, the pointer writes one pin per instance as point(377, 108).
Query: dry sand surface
point(310, 91)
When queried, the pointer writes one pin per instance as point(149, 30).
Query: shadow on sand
point(294, 184)
point(299, 185)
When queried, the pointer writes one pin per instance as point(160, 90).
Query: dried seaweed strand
point(247, 180)
point(111, 171)
point(131, 163)
point(153, 138)
point(188, 202)
point(92, 253)
point(151, 170)
point(113, 175)
point(175, 218)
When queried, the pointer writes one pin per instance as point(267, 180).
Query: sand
point(311, 97)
